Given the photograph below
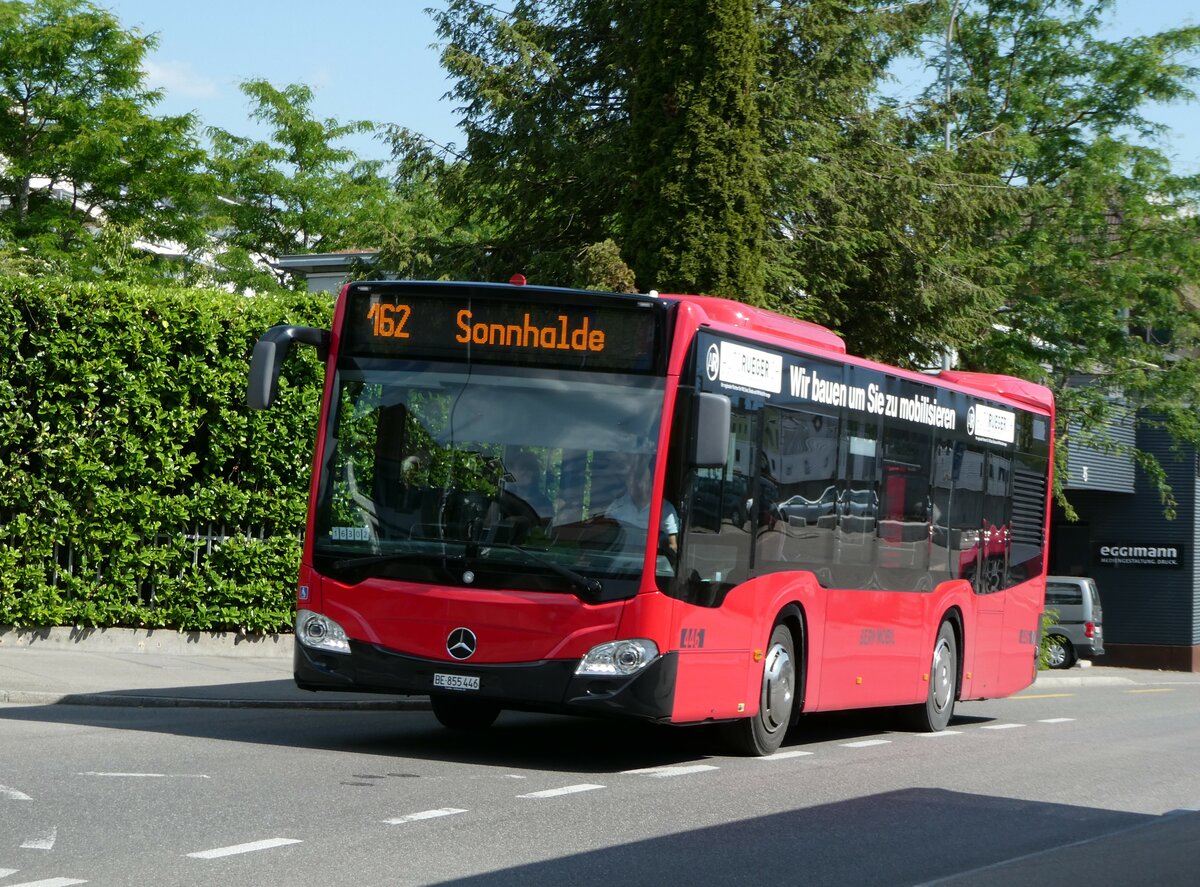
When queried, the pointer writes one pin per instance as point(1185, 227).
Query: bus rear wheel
point(934, 714)
point(458, 713)
point(762, 734)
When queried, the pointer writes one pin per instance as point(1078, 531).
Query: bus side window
point(964, 512)
point(996, 538)
point(904, 508)
point(858, 504)
point(715, 532)
point(798, 534)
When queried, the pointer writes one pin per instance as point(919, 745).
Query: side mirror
point(267, 359)
point(709, 440)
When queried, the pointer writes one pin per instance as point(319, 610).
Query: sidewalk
point(166, 668)
point(129, 667)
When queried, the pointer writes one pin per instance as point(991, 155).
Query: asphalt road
point(1098, 782)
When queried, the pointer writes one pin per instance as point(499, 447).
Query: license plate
point(455, 682)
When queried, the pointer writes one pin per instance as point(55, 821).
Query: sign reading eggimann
point(1134, 554)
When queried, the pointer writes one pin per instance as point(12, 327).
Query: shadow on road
point(521, 740)
point(967, 839)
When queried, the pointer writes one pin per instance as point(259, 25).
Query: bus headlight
point(320, 632)
point(618, 658)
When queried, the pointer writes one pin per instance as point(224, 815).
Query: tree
point(596, 128)
point(1104, 244)
point(542, 96)
point(693, 211)
point(300, 192)
point(873, 232)
point(79, 148)
point(424, 240)
point(722, 148)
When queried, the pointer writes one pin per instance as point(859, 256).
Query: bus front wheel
point(762, 734)
point(934, 714)
point(458, 713)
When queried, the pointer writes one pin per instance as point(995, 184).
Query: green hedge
point(126, 446)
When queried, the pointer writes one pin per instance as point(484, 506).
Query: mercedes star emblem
point(461, 643)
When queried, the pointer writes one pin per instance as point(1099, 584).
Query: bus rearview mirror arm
point(710, 430)
point(267, 359)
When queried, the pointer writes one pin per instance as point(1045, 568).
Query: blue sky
point(374, 60)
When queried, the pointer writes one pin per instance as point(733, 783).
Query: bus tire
point(457, 713)
point(935, 712)
point(762, 734)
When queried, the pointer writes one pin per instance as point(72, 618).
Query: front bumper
point(548, 685)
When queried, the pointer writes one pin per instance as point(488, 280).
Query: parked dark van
point(1077, 632)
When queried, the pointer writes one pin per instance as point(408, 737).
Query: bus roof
point(760, 320)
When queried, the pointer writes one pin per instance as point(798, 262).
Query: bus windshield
point(491, 477)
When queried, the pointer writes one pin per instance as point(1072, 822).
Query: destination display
point(449, 326)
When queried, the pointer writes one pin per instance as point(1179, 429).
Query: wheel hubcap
point(778, 678)
point(942, 675)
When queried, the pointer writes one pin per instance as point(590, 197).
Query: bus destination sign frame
point(461, 324)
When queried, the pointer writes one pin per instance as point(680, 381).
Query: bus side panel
point(875, 644)
point(714, 658)
point(982, 658)
point(718, 677)
point(1019, 647)
point(955, 595)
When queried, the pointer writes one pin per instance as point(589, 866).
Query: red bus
point(676, 508)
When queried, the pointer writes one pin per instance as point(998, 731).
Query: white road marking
point(147, 775)
point(1001, 726)
point(4, 873)
point(565, 790)
point(243, 848)
point(424, 814)
point(940, 733)
point(45, 842)
point(664, 772)
point(1055, 720)
point(866, 743)
point(50, 882)
point(784, 755)
point(13, 795)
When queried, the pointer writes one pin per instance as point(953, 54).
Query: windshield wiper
point(374, 560)
point(589, 584)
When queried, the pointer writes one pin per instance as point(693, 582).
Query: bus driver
point(632, 508)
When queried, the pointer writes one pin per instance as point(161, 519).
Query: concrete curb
point(118, 643)
point(1081, 681)
point(108, 700)
point(149, 640)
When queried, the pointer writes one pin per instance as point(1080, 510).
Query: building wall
point(1151, 613)
point(1091, 468)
